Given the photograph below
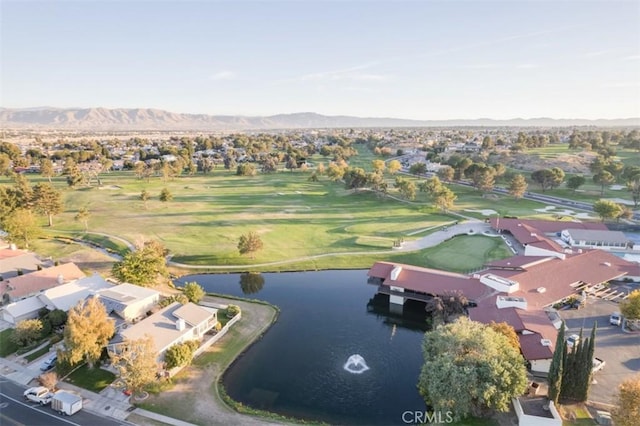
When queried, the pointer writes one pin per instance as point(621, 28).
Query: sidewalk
point(110, 402)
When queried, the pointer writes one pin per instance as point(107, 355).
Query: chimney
point(180, 324)
point(60, 279)
point(13, 247)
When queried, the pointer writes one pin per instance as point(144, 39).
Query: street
point(14, 410)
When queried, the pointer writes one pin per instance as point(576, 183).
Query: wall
point(527, 420)
point(541, 365)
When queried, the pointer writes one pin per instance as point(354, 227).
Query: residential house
point(130, 302)
point(171, 325)
point(13, 260)
point(24, 286)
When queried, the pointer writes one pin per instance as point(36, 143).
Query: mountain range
point(123, 119)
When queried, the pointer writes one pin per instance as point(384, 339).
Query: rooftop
point(598, 235)
point(34, 282)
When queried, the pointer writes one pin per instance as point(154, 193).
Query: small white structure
point(22, 310)
point(511, 302)
point(65, 402)
point(504, 285)
point(597, 239)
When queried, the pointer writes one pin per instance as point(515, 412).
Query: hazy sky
point(408, 59)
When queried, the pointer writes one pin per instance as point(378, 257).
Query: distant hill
point(154, 119)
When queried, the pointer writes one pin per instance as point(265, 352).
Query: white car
point(572, 340)
point(615, 319)
point(38, 394)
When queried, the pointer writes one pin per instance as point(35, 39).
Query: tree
point(251, 282)
point(517, 186)
point(72, 171)
point(27, 332)
point(165, 195)
point(87, 332)
point(465, 367)
point(446, 173)
point(607, 209)
point(49, 380)
point(250, 243)
point(246, 169)
point(21, 227)
point(418, 168)
point(180, 354)
point(394, 167)
point(630, 307)
point(406, 187)
point(47, 200)
point(603, 178)
point(557, 177)
point(444, 199)
point(575, 182)
point(144, 196)
point(83, 216)
point(627, 411)
point(136, 363)
point(355, 178)
point(57, 317)
point(46, 168)
point(544, 178)
point(578, 369)
point(193, 291)
point(143, 266)
point(508, 331)
point(556, 369)
point(378, 165)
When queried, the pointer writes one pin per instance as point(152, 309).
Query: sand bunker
point(485, 212)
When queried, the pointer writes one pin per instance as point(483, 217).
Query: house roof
point(598, 235)
point(430, 281)
point(34, 282)
point(66, 296)
point(518, 262)
point(532, 347)
point(128, 293)
point(557, 275)
point(12, 260)
point(25, 306)
point(192, 313)
point(485, 314)
point(162, 326)
point(542, 226)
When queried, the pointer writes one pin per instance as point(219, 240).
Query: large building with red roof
point(519, 290)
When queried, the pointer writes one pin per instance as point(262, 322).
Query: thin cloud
point(632, 58)
point(527, 66)
point(352, 74)
point(222, 75)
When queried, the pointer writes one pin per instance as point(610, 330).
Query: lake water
point(297, 368)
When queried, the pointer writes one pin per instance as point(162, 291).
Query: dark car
point(49, 363)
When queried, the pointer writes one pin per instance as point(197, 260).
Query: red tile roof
point(430, 281)
point(34, 282)
point(8, 253)
point(532, 347)
point(518, 261)
point(557, 275)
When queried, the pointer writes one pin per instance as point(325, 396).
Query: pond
point(336, 353)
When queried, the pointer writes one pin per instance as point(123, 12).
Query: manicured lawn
point(7, 347)
point(94, 379)
point(465, 253)
point(38, 353)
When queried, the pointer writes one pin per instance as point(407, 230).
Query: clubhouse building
point(520, 290)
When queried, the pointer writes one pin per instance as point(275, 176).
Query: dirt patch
point(90, 260)
point(569, 163)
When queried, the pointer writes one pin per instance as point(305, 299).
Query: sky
point(455, 59)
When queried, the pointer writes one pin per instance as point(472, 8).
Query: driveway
point(620, 350)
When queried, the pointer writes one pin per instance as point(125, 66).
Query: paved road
point(15, 411)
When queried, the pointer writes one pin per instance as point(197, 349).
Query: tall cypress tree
point(572, 369)
point(557, 364)
point(586, 366)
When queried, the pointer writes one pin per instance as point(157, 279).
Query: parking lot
point(620, 350)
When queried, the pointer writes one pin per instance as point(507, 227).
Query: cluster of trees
point(19, 201)
point(441, 196)
point(180, 354)
point(466, 364)
point(548, 178)
point(571, 369)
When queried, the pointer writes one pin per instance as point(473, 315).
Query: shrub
point(58, 317)
point(180, 354)
point(232, 311)
point(27, 332)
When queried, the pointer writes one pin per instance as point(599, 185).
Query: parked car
point(615, 319)
point(38, 394)
point(49, 363)
point(573, 340)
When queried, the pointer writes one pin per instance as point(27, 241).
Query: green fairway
point(294, 217)
point(465, 253)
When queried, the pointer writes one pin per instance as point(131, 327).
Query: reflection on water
point(297, 367)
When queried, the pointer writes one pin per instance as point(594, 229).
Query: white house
point(174, 324)
point(129, 301)
point(22, 310)
point(596, 238)
point(66, 296)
